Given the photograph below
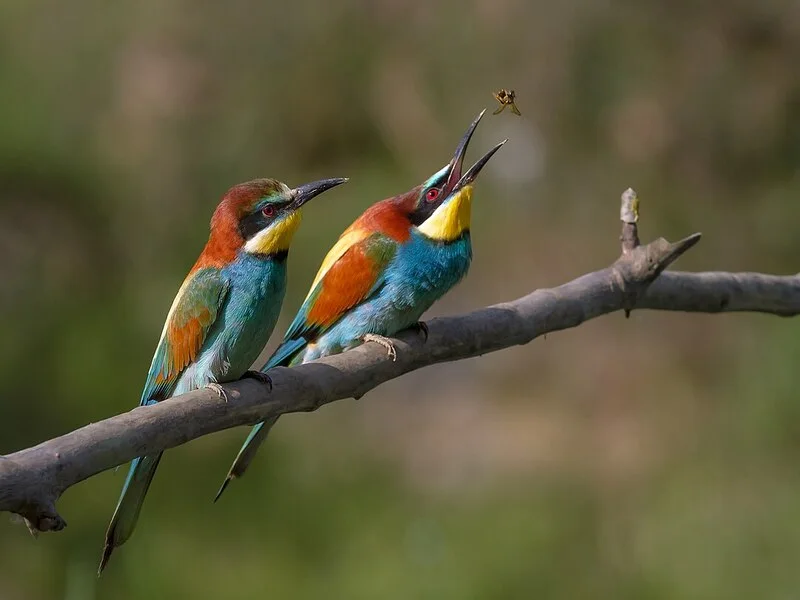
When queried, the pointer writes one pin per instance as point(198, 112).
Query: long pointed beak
point(304, 193)
point(472, 174)
point(457, 164)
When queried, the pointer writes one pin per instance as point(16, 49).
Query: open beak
point(455, 179)
point(472, 174)
point(304, 193)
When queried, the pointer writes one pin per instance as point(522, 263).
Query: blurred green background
point(650, 458)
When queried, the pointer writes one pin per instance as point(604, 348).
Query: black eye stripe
point(258, 220)
point(426, 207)
point(276, 206)
point(251, 225)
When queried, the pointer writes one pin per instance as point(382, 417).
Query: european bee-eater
point(223, 314)
point(399, 257)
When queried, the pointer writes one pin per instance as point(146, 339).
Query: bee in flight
point(506, 98)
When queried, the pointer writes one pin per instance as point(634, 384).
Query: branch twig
point(32, 480)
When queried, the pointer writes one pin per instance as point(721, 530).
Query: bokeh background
point(650, 458)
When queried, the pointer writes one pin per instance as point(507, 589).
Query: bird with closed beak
point(222, 316)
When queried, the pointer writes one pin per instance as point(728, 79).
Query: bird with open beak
point(398, 258)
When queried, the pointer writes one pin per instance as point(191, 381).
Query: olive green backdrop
point(538, 472)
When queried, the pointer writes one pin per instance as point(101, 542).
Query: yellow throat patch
point(451, 219)
point(275, 238)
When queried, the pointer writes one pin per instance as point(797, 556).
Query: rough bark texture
point(32, 480)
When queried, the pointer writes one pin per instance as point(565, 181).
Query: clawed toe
point(218, 388)
point(260, 377)
point(422, 327)
point(383, 341)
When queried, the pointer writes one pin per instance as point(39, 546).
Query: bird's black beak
point(472, 174)
point(304, 193)
point(457, 164)
point(455, 179)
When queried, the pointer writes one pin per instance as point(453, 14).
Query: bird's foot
point(422, 328)
point(218, 388)
point(259, 377)
point(383, 341)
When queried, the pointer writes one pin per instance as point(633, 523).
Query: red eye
point(432, 195)
point(268, 210)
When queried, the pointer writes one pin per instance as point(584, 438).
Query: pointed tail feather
point(248, 451)
point(122, 524)
point(286, 353)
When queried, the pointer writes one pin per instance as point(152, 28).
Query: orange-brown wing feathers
point(186, 338)
point(355, 274)
point(192, 314)
point(345, 284)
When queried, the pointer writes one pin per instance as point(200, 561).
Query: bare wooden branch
point(720, 291)
point(32, 480)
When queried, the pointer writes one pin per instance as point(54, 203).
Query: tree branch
point(32, 480)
